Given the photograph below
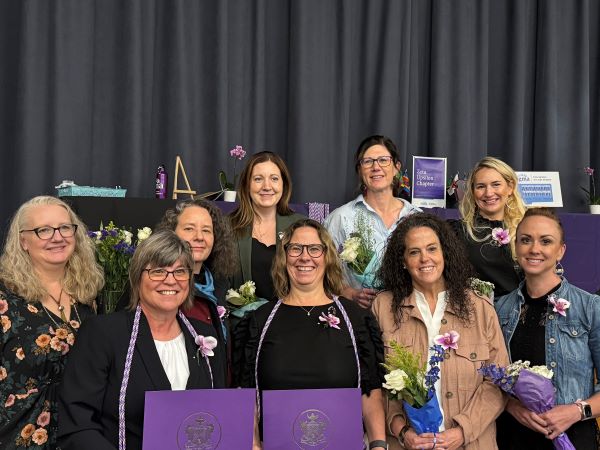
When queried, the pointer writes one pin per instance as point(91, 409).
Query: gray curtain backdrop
point(103, 91)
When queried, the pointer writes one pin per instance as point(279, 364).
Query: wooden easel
point(178, 164)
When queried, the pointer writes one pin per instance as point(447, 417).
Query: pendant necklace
point(61, 308)
point(73, 304)
point(308, 311)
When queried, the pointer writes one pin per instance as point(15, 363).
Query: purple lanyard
point(129, 358)
point(264, 332)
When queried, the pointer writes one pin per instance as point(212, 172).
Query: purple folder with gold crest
point(201, 419)
point(312, 419)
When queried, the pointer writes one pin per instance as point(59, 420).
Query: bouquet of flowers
point(409, 381)
point(482, 288)
point(244, 299)
point(237, 153)
point(357, 251)
point(593, 199)
point(114, 248)
point(531, 385)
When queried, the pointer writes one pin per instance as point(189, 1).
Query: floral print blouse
point(34, 346)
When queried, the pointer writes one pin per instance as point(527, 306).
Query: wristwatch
point(377, 444)
point(585, 409)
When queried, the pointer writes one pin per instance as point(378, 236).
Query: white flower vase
point(229, 196)
point(594, 209)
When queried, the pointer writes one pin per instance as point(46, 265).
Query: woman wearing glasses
point(374, 214)
point(311, 338)
point(151, 347)
point(48, 282)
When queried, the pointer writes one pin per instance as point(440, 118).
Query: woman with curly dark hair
point(427, 276)
point(201, 224)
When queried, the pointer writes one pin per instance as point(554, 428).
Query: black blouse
point(492, 263)
point(300, 353)
point(262, 259)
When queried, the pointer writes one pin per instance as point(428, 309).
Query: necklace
point(308, 311)
point(63, 318)
point(61, 308)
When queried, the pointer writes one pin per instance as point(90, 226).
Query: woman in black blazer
point(163, 354)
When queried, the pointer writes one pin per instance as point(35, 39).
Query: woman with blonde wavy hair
point(49, 280)
point(491, 209)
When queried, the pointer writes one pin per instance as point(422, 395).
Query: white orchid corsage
point(329, 319)
point(205, 344)
point(560, 305)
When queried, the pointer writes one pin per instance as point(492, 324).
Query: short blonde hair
point(162, 248)
point(513, 211)
point(84, 278)
point(333, 281)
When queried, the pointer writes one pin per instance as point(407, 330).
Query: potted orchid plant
point(593, 199)
point(228, 187)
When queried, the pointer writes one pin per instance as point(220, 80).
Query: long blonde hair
point(514, 209)
point(83, 279)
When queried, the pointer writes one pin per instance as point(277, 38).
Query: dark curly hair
point(222, 261)
point(457, 268)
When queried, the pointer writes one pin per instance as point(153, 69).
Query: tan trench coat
point(467, 400)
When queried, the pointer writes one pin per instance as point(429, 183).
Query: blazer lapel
point(146, 350)
point(245, 252)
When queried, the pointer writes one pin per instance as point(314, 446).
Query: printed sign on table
point(201, 419)
point(429, 182)
point(312, 419)
point(540, 188)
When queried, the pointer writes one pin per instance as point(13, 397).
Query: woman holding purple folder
point(550, 322)
point(151, 347)
point(311, 338)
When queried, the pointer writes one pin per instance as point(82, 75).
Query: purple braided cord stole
point(128, 360)
point(264, 332)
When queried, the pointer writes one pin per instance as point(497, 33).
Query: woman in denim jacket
point(539, 326)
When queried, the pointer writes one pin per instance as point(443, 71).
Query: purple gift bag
point(204, 419)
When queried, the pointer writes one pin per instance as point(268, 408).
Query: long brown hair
point(243, 215)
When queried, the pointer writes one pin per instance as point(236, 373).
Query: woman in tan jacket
point(426, 274)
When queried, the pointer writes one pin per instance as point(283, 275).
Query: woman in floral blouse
point(48, 282)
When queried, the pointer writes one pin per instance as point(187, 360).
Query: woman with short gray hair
point(151, 347)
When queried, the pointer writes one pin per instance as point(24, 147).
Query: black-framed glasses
point(383, 161)
point(66, 230)
point(180, 274)
point(313, 250)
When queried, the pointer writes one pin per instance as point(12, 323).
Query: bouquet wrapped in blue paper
point(532, 386)
point(409, 380)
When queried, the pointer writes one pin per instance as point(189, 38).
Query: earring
point(559, 270)
point(509, 202)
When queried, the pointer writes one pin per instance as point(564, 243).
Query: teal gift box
point(90, 191)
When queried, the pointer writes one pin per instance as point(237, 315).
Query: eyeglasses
point(383, 161)
point(313, 250)
point(45, 233)
point(181, 274)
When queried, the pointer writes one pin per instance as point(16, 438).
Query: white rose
point(143, 233)
point(248, 289)
point(127, 235)
point(395, 381)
